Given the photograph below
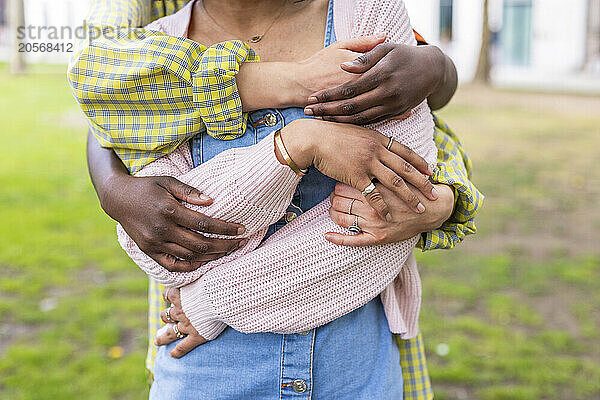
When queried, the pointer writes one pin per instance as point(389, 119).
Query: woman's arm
point(297, 280)
point(250, 185)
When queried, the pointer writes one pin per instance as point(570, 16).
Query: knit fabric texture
point(295, 280)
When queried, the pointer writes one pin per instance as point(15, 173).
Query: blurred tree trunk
point(16, 18)
point(484, 65)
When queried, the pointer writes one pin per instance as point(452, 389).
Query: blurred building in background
point(539, 44)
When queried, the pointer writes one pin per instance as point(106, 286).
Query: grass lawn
point(512, 314)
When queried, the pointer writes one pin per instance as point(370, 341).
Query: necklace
point(253, 39)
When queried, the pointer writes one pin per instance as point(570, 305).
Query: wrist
point(108, 193)
point(269, 85)
point(289, 90)
point(296, 78)
point(443, 207)
point(297, 139)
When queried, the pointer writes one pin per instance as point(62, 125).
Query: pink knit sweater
point(296, 280)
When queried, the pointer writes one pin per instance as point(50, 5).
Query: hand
point(176, 317)
point(322, 70)
point(151, 212)
point(355, 156)
point(375, 230)
point(394, 79)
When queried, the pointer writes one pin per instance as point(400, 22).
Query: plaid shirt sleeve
point(144, 92)
point(453, 169)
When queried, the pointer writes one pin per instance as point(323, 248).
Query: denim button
point(304, 333)
point(299, 386)
point(270, 119)
point(290, 216)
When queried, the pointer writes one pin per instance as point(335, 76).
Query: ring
point(389, 145)
point(350, 206)
point(168, 314)
point(368, 190)
point(166, 294)
point(354, 228)
point(177, 333)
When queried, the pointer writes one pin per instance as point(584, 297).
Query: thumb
point(184, 192)
point(361, 44)
point(186, 345)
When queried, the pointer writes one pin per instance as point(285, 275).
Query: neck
point(247, 15)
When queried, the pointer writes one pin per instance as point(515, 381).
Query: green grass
point(514, 313)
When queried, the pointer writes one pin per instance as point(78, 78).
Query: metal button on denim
point(290, 216)
point(299, 386)
point(304, 333)
point(270, 119)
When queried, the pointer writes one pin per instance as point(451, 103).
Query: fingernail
point(348, 64)
point(243, 243)
point(430, 170)
point(434, 193)
point(241, 231)
point(380, 35)
point(204, 197)
point(308, 111)
point(421, 207)
point(388, 217)
point(312, 100)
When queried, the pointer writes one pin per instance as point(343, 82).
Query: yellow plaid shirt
point(145, 93)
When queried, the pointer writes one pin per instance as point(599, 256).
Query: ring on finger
point(354, 228)
point(177, 333)
point(368, 190)
point(168, 314)
point(350, 206)
point(166, 294)
point(389, 145)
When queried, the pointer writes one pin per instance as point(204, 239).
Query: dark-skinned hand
point(150, 210)
point(394, 79)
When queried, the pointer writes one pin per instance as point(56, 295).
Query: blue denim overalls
point(353, 357)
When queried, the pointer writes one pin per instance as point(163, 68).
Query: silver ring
point(177, 333)
point(350, 206)
point(389, 145)
point(166, 295)
point(354, 228)
point(168, 314)
point(368, 190)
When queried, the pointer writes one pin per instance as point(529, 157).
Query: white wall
point(559, 34)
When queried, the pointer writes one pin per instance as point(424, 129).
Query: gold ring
point(177, 333)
